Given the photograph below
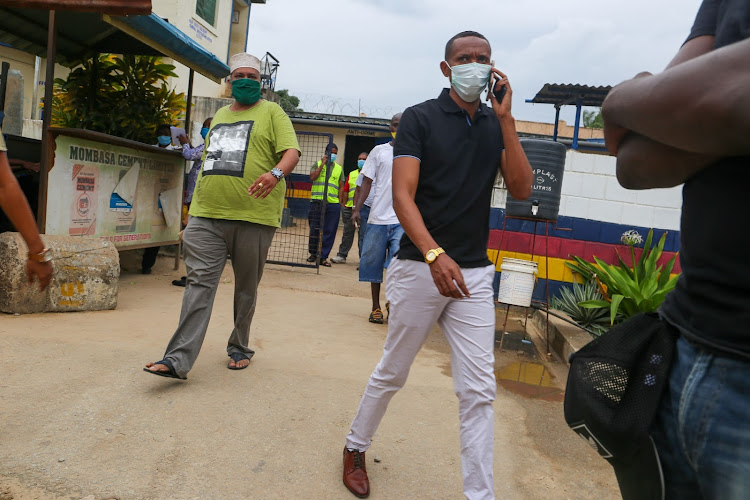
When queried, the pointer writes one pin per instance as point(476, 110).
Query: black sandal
point(169, 374)
point(237, 357)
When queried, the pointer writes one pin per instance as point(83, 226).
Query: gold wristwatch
point(433, 254)
point(43, 256)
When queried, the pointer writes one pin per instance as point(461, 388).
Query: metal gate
point(290, 243)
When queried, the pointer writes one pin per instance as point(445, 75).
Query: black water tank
point(547, 159)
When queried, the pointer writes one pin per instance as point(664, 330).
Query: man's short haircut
point(463, 34)
point(364, 153)
point(334, 146)
point(164, 126)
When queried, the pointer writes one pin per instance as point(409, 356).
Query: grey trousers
point(207, 243)
point(348, 238)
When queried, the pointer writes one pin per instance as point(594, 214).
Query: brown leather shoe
point(355, 473)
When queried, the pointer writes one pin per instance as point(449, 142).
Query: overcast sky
point(386, 53)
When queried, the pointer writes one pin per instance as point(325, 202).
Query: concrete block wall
point(594, 212)
point(590, 191)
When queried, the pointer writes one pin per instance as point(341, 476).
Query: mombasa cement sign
point(128, 196)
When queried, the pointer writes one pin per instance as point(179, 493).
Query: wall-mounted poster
point(129, 196)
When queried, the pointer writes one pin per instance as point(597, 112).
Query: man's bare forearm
point(16, 207)
point(700, 105)
point(289, 160)
point(364, 192)
point(645, 164)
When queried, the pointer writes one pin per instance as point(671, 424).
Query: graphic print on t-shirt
point(227, 149)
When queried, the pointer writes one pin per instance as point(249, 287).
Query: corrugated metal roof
point(114, 7)
point(561, 94)
point(340, 119)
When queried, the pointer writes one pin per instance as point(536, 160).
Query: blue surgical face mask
point(333, 156)
point(164, 140)
point(204, 132)
point(360, 163)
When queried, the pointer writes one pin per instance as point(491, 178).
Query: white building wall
point(215, 39)
point(590, 191)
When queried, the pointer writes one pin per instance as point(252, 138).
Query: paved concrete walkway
point(80, 419)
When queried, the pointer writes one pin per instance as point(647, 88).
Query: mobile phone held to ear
point(498, 92)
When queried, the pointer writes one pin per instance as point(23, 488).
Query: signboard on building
point(132, 197)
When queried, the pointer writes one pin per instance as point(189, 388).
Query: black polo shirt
point(459, 161)
point(711, 303)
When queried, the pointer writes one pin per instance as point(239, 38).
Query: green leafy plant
point(594, 319)
point(629, 290)
point(124, 96)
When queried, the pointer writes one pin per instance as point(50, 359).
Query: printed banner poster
point(127, 196)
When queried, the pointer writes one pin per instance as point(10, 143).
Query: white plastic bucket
point(517, 281)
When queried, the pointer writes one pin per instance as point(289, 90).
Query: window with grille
point(206, 9)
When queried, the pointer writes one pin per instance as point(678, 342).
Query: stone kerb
point(86, 276)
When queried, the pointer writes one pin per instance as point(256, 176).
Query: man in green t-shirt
point(236, 208)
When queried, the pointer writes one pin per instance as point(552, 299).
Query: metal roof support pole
point(578, 122)
point(46, 157)
point(189, 103)
point(188, 107)
point(557, 121)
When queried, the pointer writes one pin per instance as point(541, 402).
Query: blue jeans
point(381, 244)
point(702, 428)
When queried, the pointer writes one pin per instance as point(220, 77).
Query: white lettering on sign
point(549, 175)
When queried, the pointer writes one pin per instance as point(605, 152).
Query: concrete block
point(605, 211)
point(638, 215)
point(605, 165)
point(564, 338)
point(615, 192)
point(666, 198)
point(667, 218)
point(572, 184)
point(85, 278)
point(499, 197)
point(579, 162)
point(594, 186)
point(577, 207)
point(13, 122)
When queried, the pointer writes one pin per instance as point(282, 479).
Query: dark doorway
point(356, 144)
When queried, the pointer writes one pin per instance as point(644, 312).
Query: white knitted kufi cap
point(243, 60)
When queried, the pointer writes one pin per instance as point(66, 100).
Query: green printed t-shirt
point(240, 147)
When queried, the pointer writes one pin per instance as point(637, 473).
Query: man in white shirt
point(383, 235)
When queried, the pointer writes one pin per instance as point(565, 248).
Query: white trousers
point(469, 327)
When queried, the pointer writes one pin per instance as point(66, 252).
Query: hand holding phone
point(499, 93)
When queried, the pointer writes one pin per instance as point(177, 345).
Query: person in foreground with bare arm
point(446, 157)
point(16, 207)
point(691, 124)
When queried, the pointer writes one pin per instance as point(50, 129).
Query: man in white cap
point(236, 208)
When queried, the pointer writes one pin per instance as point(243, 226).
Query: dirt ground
point(79, 419)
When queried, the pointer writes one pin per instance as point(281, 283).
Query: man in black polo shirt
point(446, 157)
point(691, 124)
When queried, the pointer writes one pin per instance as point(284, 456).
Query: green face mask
point(246, 91)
